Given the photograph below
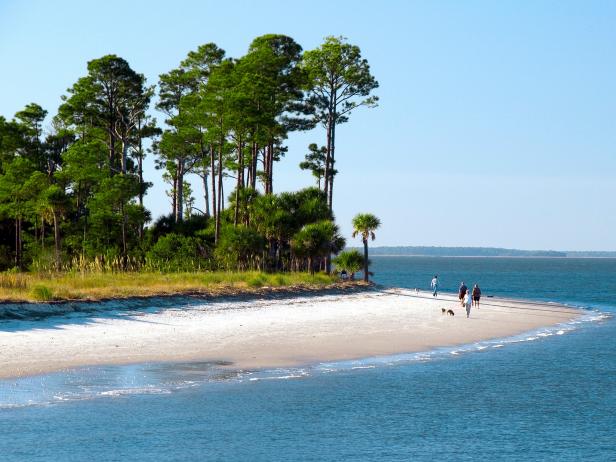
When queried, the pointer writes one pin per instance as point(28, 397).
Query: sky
point(496, 125)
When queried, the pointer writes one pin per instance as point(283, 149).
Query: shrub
point(174, 252)
point(239, 248)
point(42, 293)
point(350, 260)
point(257, 281)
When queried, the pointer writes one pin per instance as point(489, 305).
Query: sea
point(546, 395)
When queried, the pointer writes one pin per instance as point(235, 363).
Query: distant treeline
point(481, 252)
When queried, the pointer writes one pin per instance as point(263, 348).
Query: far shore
point(265, 332)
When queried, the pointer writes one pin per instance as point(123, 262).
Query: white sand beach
point(268, 332)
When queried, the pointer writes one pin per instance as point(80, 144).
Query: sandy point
point(265, 332)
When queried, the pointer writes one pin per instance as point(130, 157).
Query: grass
point(100, 285)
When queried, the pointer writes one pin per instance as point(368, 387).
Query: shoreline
point(267, 331)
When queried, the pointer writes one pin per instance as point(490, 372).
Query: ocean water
point(545, 395)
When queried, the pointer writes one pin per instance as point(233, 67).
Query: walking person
point(434, 285)
point(462, 292)
point(476, 295)
point(467, 302)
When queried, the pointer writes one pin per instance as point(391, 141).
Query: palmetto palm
point(317, 240)
point(364, 225)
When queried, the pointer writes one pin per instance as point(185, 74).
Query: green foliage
point(339, 82)
point(174, 252)
point(315, 162)
point(364, 225)
point(240, 248)
point(72, 199)
point(350, 261)
point(317, 240)
point(42, 293)
point(257, 281)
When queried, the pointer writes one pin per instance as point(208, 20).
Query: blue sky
point(496, 125)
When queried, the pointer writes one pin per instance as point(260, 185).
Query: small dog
point(450, 313)
point(443, 310)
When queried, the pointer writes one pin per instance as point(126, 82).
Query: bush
point(257, 281)
point(239, 248)
point(174, 252)
point(351, 261)
point(42, 293)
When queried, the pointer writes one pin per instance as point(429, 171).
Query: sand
point(263, 333)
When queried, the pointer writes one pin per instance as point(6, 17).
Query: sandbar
point(264, 332)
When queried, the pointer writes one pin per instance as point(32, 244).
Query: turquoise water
point(545, 395)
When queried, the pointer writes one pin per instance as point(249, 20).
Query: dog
point(450, 313)
point(443, 310)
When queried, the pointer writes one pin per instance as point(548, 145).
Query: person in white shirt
point(434, 285)
point(468, 302)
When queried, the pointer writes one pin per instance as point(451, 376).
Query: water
point(546, 395)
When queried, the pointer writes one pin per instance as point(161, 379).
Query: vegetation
point(71, 195)
point(97, 286)
point(364, 225)
point(350, 261)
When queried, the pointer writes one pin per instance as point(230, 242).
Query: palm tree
point(365, 224)
point(316, 241)
point(350, 261)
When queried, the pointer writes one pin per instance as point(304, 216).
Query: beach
point(267, 332)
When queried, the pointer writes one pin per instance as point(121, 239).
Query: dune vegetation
point(37, 287)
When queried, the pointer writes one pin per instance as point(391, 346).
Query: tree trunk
point(179, 191)
point(365, 260)
point(239, 183)
point(56, 239)
point(174, 196)
point(206, 192)
point(124, 244)
point(141, 184)
point(124, 160)
point(17, 244)
point(213, 170)
point(219, 206)
point(331, 167)
point(253, 166)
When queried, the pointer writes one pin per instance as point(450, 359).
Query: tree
point(184, 145)
point(364, 225)
point(112, 97)
point(55, 201)
point(340, 81)
point(272, 83)
point(240, 248)
point(31, 119)
point(350, 261)
point(316, 241)
point(16, 195)
point(315, 162)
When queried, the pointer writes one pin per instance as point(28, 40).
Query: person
point(476, 295)
point(434, 285)
point(462, 292)
point(467, 301)
point(343, 275)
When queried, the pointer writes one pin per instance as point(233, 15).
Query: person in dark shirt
point(462, 292)
point(476, 295)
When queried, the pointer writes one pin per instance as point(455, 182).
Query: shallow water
point(544, 395)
